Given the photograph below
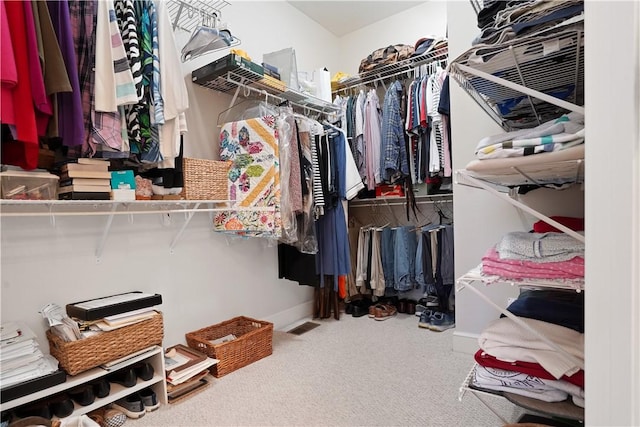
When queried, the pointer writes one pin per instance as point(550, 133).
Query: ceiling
point(342, 17)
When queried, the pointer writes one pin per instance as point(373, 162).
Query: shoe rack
point(154, 355)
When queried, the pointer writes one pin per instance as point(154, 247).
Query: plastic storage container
point(25, 185)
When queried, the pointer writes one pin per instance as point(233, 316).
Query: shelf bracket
point(175, 240)
point(523, 89)
point(522, 324)
point(105, 233)
point(480, 183)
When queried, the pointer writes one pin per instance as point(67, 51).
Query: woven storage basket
point(206, 179)
point(253, 342)
point(79, 356)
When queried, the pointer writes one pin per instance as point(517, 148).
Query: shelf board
point(476, 275)
point(85, 377)
point(541, 174)
point(439, 53)
point(565, 409)
point(547, 66)
point(249, 83)
point(393, 201)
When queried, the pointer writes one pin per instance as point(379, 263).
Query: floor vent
point(305, 327)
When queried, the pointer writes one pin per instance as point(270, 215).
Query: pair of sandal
point(382, 311)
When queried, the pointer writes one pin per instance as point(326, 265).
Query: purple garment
point(70, 116)
point(83, 17)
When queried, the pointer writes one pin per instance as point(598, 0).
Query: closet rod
point(385, 77)
point(103, 213)
point(400, 203)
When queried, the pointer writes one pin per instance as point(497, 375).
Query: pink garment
point(41, 101)
point(372, 139)
point(8, 71)
point(492, 264)
point(17, 108)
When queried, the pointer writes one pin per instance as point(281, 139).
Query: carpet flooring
point(351, 372)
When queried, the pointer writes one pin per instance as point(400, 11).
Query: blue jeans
point(388, 253)
point(405, 258)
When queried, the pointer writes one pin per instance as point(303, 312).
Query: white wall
point(206, 280)
point(612, 297)
point(480, 218)
point(428, 19)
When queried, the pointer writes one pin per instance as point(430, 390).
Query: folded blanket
point(507, 340)
point(517, 382)
point(493, 264)
point(535, 369)
point(539, 247)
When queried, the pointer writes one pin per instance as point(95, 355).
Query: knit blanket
point(494, 264)
point(539, 247)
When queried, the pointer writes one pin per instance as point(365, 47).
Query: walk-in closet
point(284, 212)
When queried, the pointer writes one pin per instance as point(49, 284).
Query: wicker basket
point(253, 342)
point(79, 356)
point(206, 179)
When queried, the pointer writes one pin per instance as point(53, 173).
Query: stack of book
point(187, 372)
point(85, 179)
point(21, 359)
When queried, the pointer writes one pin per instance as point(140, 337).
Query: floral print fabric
point(254, 178)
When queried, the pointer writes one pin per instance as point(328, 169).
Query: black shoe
point(125, 377)
point(61, 405)
point(36, 409)
point(361, 307)
point(83, 394)
point(143, 370)
point(101, 387)
point(149, 399)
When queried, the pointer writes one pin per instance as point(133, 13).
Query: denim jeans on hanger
point(405, 258)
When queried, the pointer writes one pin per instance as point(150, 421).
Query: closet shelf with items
point(438, 53)
point(154, 356)
point(563, 410)
point(398, 201)
point(526, 71)
point(248, 79)
point(548, 66)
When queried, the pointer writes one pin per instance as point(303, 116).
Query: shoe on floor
point(149, 399)
point(131, 405)
point(425, 319)
point(384, 311)
point(442, 321)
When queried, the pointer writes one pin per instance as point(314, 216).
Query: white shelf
point(537, 66)
point(463, 177)
point(155, 356)
point(401, 201)
point(439, 53)
point(248, 83)
point(541, 174)
point(466, 282)
point(476, 275)
point(564, 409)
point(112, 208)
